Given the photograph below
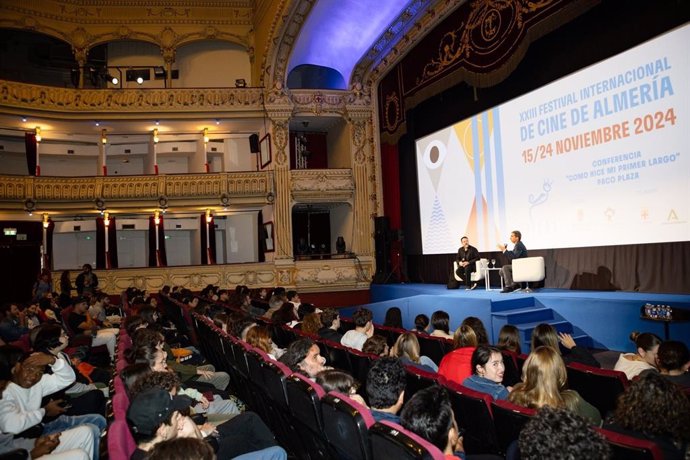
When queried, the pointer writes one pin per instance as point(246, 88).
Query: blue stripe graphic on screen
point(500, 190)
point(439, 231)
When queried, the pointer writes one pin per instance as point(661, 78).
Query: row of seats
point(312, 424)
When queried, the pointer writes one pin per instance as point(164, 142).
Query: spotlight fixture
point(104, 137)
point(225, 201)
point(157, 122)
point(205, 135)
point(114, 80)
point(138, 75)
point(140, 80)
point(155, 136)
point(38, 134)
point(217, 121)
point(24, 119)
point(100, 204)
point(163, 203)
point(98, 123)
point(240, 83)
point(159, 72)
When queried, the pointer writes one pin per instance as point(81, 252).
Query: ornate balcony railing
point(322, 185)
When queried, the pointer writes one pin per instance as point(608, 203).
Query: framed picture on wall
point(268, 237)
point(265, 151)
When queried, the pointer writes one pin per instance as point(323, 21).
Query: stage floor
point(601, 319)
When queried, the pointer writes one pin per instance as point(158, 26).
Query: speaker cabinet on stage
point(382, 239)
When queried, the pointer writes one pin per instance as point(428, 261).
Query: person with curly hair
point(545, 383)
point(557, 434)
point(654, 408)
point(385, 388)
point(304, 356)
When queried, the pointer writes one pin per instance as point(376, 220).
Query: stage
point(599, 319)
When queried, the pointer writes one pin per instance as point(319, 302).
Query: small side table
point(487, 280)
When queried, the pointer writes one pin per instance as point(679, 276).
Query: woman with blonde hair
point(546, 335)
point(407, 349)
point(260, 337)
point(456, 366)
point(545, 383)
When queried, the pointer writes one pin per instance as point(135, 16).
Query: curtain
point(261, 235)
point(31, 148)
point(208, 254)
point(391, 184)
point(48, 263)
point(103, 260)
point(157, 259)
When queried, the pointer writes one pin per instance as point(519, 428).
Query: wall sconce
point(163, 203)
point(106, 219)
point(30, 206)
point(157, 217)
point(100, 204)
point(155, 136)
point(225, 201)
point(38, 134)
point(209, 216)
point(46, 220)
point(205, 135)
point(104, 137)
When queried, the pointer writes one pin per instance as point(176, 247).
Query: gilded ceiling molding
point(32, 98)
point(399, 37)
point(277, 54)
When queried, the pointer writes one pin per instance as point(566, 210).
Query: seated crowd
point(57, 354)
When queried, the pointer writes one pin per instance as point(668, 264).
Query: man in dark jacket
point(519, 251)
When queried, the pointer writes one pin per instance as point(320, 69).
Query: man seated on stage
point(467, 260)
point(518, 252)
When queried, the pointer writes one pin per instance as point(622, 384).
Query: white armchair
point(528, 270)
point(477, 274)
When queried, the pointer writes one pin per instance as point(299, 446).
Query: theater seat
point(121, 444)
point(528, 270)
point(346, 424)
point(390, 440)
point(626, 447)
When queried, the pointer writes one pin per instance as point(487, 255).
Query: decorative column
point(106, 224)
point(44, 245)
point(38, 145)
point(157, 223)
point(364, 178)
point(103, 167)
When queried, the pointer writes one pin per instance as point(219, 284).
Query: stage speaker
point(382, 239)
point(254, 143)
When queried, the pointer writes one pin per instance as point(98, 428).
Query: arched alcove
point(212, 64)
point(36, 58)
point(308, 76)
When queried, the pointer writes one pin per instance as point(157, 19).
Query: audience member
point(509, 339)
point(440, 321)
point(393, 318)
point(81, 323)
point(340, 381)
point(421, 323)
point(285, 315)
point(260, 337)
point(546, 335)
point(407, 349)
point(646, 349)
point(559, 434)
point(87, 281)
point(376, 345)
point(487, 372)
point(429, 415)
point(385, 388)
point(364, 328)
point(42, 286)
point(456, 366)
point(311, 324)
point(330, 322)
point(545, 383)
point(304, 356)
point(182, 449)
point(12, 323)
point(654, 408)
point(673, 359)
point(478, 327)
point(21, 404)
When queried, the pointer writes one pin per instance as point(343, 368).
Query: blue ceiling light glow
point(338, 33)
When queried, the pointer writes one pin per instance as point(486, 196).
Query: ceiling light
point(98, 123)
point(113, 80)
point(140, 80)
point(217, 121)
point(157, 122)
point(24, 119)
